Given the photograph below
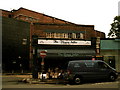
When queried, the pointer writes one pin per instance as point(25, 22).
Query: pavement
point(16, 73)
point(26, 81)
point(27, 78)
point(45, 81)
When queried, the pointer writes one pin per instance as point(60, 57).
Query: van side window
point(70, 64)
point(76, 65)
point(102, 65)
point(89, 64)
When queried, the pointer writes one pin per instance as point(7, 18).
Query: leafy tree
point(115, 28)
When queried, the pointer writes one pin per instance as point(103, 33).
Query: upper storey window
point(65, 35)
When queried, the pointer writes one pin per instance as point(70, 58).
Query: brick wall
point(88, 31)
point(35, 17)
point(5, 13)
point(31, 16)
point(99, 34)
point(15, 43)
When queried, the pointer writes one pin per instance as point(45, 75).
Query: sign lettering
point(63, 42)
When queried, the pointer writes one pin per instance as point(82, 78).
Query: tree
point(115, 28)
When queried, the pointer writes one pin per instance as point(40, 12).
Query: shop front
point(59, 52)
point(110, 49)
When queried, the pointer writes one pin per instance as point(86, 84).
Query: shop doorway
point(112, 61)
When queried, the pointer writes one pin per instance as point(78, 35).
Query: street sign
point(93, 58)
point(43, 54)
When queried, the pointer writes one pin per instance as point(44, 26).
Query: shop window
point(111, 61)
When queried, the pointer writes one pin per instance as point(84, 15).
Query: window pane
point(81, 36)
point(69, 35)
point(76, 65)
point(89, 64)
point(102, 65)
point(77, 35)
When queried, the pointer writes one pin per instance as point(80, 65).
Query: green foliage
point(115, 28)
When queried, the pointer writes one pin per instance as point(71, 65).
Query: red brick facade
point(42, 27)
point(31, 16)
point(35, 17)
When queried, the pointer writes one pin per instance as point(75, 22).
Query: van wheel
point(112, 77)
point(77, 80)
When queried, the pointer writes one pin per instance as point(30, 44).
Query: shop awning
point(69, 52)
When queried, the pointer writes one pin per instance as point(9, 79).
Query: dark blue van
point(79, 70)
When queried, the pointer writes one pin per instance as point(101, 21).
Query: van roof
point(86, 61)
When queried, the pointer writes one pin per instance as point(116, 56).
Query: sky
point(99, 13)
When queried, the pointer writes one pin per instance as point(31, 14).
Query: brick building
point(50, 28)
point(15, 44)
point(35, 17)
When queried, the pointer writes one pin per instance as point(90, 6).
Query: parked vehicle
point(79, 70)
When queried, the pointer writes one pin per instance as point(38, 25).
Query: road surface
point(11, 81)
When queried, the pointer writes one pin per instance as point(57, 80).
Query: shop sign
point(69, 54)
point(63, 42)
